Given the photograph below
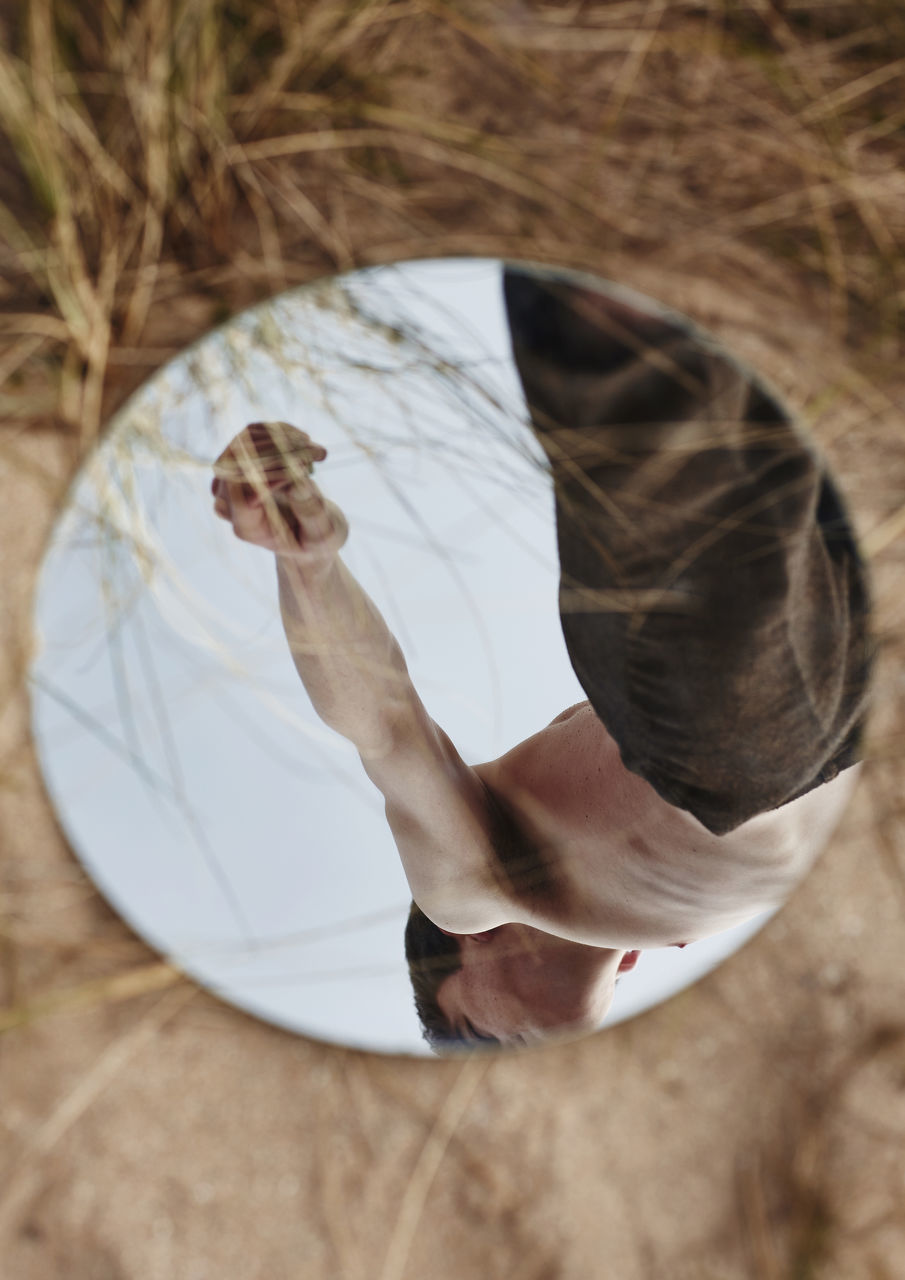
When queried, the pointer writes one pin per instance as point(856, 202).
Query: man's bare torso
point(636, 871)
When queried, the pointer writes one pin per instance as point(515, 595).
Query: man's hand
point(262, 484)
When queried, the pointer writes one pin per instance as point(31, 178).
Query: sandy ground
point(750, 1129)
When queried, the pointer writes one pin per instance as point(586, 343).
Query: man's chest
point(629, 863)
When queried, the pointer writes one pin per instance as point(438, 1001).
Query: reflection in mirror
point(270, 735)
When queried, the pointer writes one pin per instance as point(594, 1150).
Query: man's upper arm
point(437, 809)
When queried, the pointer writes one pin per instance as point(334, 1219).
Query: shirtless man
point(538, 877)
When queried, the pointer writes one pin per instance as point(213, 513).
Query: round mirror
point(563, 636)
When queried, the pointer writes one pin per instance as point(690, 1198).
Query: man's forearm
point(349, 661)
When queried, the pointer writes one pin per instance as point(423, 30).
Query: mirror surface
point(233, 829)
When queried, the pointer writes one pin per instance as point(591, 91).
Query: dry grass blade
point(881, 537)
point(625, 82)
point(493, 171)
point(89, 995)
point(115, 1059)
point(392, 118)
point(493, 39)
point(849, 93)
point(756, 1226)
point(420, 1181)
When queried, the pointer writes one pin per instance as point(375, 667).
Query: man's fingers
point(262, 484)
point(322, 524)
point(269, 450)
point(266, 469)
point(281, 439)
point(313, 520)
point(249, 522)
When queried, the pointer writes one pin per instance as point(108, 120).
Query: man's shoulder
point(445, 827)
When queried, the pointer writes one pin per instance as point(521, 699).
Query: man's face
point(519, 985)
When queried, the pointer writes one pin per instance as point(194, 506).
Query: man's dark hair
point(432, 956)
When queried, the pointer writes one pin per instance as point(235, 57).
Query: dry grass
point(223, 151)
point(165, 163)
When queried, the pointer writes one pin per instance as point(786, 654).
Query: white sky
point(235, 832)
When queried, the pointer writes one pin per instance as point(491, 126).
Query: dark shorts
point(713, 601)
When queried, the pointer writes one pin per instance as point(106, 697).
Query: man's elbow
point(460, 913)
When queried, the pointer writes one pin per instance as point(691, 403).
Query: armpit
point(527, 874)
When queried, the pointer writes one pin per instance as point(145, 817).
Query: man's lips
point(628, 961)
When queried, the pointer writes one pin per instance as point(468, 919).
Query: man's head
point(432, 955)
point(513, 985)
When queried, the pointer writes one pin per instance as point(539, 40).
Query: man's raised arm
point(356, 676)
point(350, 664)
